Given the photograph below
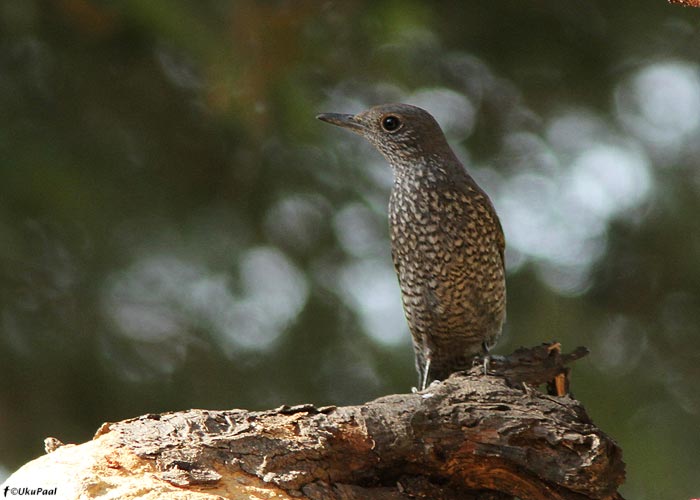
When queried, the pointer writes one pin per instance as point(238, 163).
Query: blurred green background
point(178, 231)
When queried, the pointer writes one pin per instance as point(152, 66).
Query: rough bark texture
point(471, 436)
point(686, 3)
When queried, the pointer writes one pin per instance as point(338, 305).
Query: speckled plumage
point(446, 240)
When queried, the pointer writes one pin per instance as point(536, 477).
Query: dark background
point(178, 231)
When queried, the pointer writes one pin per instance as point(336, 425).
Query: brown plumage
point(446, 240)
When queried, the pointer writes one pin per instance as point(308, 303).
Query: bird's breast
point(444, 236)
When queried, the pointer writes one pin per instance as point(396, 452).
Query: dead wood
point(474, 435)
point(471, 432)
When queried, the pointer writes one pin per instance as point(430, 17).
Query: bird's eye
point(391, 123)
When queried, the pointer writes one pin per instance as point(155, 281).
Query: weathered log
point(471, 436)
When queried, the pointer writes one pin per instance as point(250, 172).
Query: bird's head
point(403, 133)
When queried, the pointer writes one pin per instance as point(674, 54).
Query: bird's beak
point(346, 121)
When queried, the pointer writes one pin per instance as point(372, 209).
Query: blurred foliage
point(176, 230)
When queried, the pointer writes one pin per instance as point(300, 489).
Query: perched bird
point(446, 240)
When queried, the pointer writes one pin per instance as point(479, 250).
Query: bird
point(447, 242)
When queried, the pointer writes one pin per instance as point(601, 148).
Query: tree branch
point(470, 433)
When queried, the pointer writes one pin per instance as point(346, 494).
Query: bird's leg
point(487, 357)
point(426, 371)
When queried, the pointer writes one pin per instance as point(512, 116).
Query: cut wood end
point(561, 384)
point(554, 347)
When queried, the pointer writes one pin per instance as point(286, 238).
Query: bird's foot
point(529, 390)
point(487, 357)
point(484, 360)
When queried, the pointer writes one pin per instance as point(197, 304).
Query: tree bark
point(686, 3)
point(471, 436)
